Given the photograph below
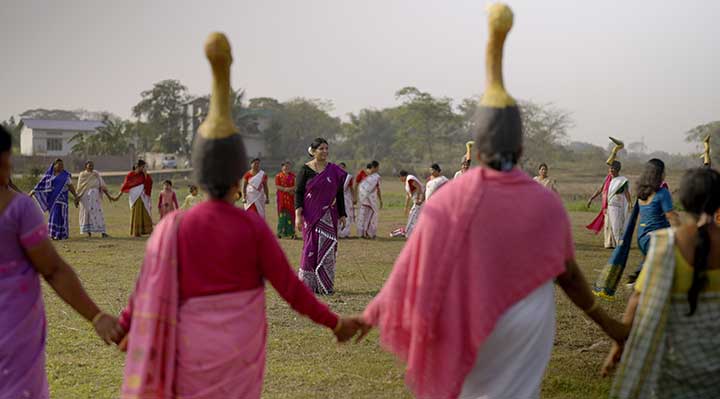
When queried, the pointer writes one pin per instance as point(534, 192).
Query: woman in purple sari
point(319, 207)
point(25, 254)
point(52, 195)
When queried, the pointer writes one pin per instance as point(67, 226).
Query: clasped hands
point(349, 327)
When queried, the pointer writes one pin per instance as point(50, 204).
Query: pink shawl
point(151, 352)
point(486, 241)
point(599, 222)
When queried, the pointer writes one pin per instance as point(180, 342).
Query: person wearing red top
point(138, 185)
point(285, 184)
point(195, 323)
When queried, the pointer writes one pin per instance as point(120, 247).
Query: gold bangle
point(338, 326)
point(595, 306)
point(97, 317)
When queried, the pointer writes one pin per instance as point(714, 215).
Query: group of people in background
point(469, 304)
point(52, 195)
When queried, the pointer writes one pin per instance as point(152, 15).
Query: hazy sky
point(631, 69)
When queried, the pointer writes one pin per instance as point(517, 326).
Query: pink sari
point(207, 347)
point(444, 296)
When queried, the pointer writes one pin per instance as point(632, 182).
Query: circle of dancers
point(472, 314)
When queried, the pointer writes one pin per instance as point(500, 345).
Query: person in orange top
point(255, 190)
point(285, 184)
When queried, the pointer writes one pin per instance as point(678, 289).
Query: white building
point(52, 137)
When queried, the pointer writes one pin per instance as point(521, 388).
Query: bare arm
point(674, 218)
point(244, 189)
point(71, 187)
point(62, 278)
point(267, 194)
point(613, 358)
point(573, 282)
point(592, 197)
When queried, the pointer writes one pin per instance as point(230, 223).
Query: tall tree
point(700, 132)
point(114, 138)
point(425, 124)
point(370, 134)
point(298, 122)
point(162, 108)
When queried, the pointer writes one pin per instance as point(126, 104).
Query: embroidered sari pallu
point(90, 186)
point(369, 211)
point(207, 347)
point(417, 205)
point(317, 266)
point(349, 208)
point(139, 188)
point(51, 193)
point(255, 194)
point(669, 354)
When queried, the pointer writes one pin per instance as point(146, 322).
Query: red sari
point(285, 205)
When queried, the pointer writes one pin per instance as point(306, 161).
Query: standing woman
point(138, 185)
point(653, 211)
point(91, 187)
point(285, 184)
point(255, 189)
point(25, 255)
point(52, 195)
point(196, 320)
point(673, 350)
point(319, 208)
point(544, 179)
point(350, 202)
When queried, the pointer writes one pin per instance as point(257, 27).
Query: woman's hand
point(299, 223)
point(108, 328)
point(349, 326)
point(342, 222)
point(612, 360)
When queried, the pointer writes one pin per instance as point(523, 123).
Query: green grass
point(303, 360)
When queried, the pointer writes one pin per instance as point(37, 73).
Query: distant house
point(52, 137)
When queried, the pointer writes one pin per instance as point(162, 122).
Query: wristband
point(97, 317)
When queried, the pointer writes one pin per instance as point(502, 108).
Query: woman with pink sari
point(26, 253)
point(196, 320)
point(320, 208)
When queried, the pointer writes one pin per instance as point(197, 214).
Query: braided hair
point(700, 194)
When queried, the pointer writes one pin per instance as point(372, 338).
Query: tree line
point(421, 128)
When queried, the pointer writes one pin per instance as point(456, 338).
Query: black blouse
point(306, 174)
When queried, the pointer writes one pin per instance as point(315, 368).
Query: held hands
point(348, 327)
point(612, 360)
point(299, 223)
point(342, 222)
point(108, 328)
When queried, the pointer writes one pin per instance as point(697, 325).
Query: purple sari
point(317, 266)
point(22, 330)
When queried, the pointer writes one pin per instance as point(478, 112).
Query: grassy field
point(303, 360)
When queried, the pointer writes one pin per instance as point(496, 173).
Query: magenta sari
point(320, 230)
point(207, 347)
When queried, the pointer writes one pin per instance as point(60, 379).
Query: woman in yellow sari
point(673, 350)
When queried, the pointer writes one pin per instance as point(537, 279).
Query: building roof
point(51, 124)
